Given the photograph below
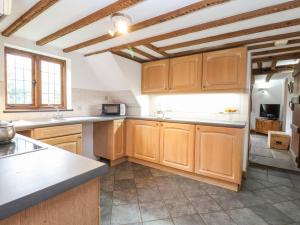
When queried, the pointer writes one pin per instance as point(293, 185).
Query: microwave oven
point(113, 109)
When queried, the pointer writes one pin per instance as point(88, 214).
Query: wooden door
point(225, 70)
point(185, 73)
point(118, 139)
point(177, 145)
point(155, 76)
point(71, 143)
point(145, 140)
point(218, 153)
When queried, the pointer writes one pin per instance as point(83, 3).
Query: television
point(270, 111)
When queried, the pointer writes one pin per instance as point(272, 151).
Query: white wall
point(271, 92)
point(289, 113)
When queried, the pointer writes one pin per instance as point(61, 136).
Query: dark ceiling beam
point(270, 45)
point(155, 49)
point(275, 51)
point(99, 14)
point(128, 56)
point(286, 56)
point(267, 70)
point(28, 16)
point(145, 54)
point(216, 23)
point(150, 22)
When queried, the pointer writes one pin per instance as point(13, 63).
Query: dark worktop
point(30, 178)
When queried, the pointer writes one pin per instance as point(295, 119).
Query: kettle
point(7, 132)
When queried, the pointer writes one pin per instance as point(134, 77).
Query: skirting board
point(220, 183)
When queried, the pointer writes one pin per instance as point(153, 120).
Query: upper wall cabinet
point(185, 74)
point(155, 76)
point(224, 70)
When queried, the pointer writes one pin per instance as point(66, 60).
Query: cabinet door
point(145, 140)
point(119, 148)
point(218, 153)
point(177, 145)
point(224, 70)
point(155, 76)
point(185, 73)
point(71, 143)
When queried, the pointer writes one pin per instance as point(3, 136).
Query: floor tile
point(270, 196)
point(128, 196)
point(124, 184)
point(166, 181)
point(179, 207)
point(122, 175)
point(168, 192)
point(153, 211)
point(159, 222)
point(106, 198)
point(249, 198)
point(215, 190)
point(106, 215)
point(290, 209)
point(205, 204)
point(280, 180)
point(148, 194)
point(290, 193)
point(192, 189)
point(147, 182)
point(217, 218)
point(107, 185)
point(143, 173)
point(125, 214)
point(188, 220)
point(228, 202)
point(252, 184)
point(160, 173)
point(271, 214)
point(246, 217)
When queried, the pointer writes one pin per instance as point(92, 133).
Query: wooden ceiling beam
point(128, 56)
point(28, 16)
point(259, 65)
point(150, 22)
point(238, 44)
point(267, 70)
point(155, 49)
point(295, 55)
point(273, 66)
point(213, 24)
point(145, 54)
point(99, 14)
point(233, 34)
point(275, 51)
point(270, 45)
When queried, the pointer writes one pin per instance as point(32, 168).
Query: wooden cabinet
point(218, 153)
point(71, 143)
point(109, 138)
point(145, 140)
point(224, 70)
point(177, 145)
point(67, 137)
point(185, 73)
point(155, 76)
point(263, 125)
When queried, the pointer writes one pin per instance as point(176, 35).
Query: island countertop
point(30, 178)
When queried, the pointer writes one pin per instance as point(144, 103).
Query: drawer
point(56, 131)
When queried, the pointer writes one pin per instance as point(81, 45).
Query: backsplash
point(204, 106)
point(84, 103)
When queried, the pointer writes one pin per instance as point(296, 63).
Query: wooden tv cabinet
point(263, 125)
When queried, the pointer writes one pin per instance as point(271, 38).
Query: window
point(34, 81)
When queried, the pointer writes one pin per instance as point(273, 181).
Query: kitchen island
point(49, 186)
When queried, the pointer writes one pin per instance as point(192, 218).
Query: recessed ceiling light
point(281, 42)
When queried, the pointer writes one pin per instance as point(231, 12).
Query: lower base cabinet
point(218, 153)
point(71, 143)
point(177, 145)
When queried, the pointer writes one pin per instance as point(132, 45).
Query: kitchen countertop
point(30, 178)
point(220, 123)
point(28, 124)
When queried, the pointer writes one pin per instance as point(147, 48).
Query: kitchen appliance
point(18, 146)
point(7, 132)
point(113, 109)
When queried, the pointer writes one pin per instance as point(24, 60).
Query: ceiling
point(65, 12)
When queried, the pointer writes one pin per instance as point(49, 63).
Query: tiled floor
point(135, 194)
point(261, 154)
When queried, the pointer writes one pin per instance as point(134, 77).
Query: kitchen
point(155, 103)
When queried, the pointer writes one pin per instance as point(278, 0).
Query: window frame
point(36, 81)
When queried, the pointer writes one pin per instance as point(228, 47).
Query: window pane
point(51, 83)
point(19, 79)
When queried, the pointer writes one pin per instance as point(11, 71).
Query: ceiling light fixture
point(120, 24)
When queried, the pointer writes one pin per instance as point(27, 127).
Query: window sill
point(34, 110)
